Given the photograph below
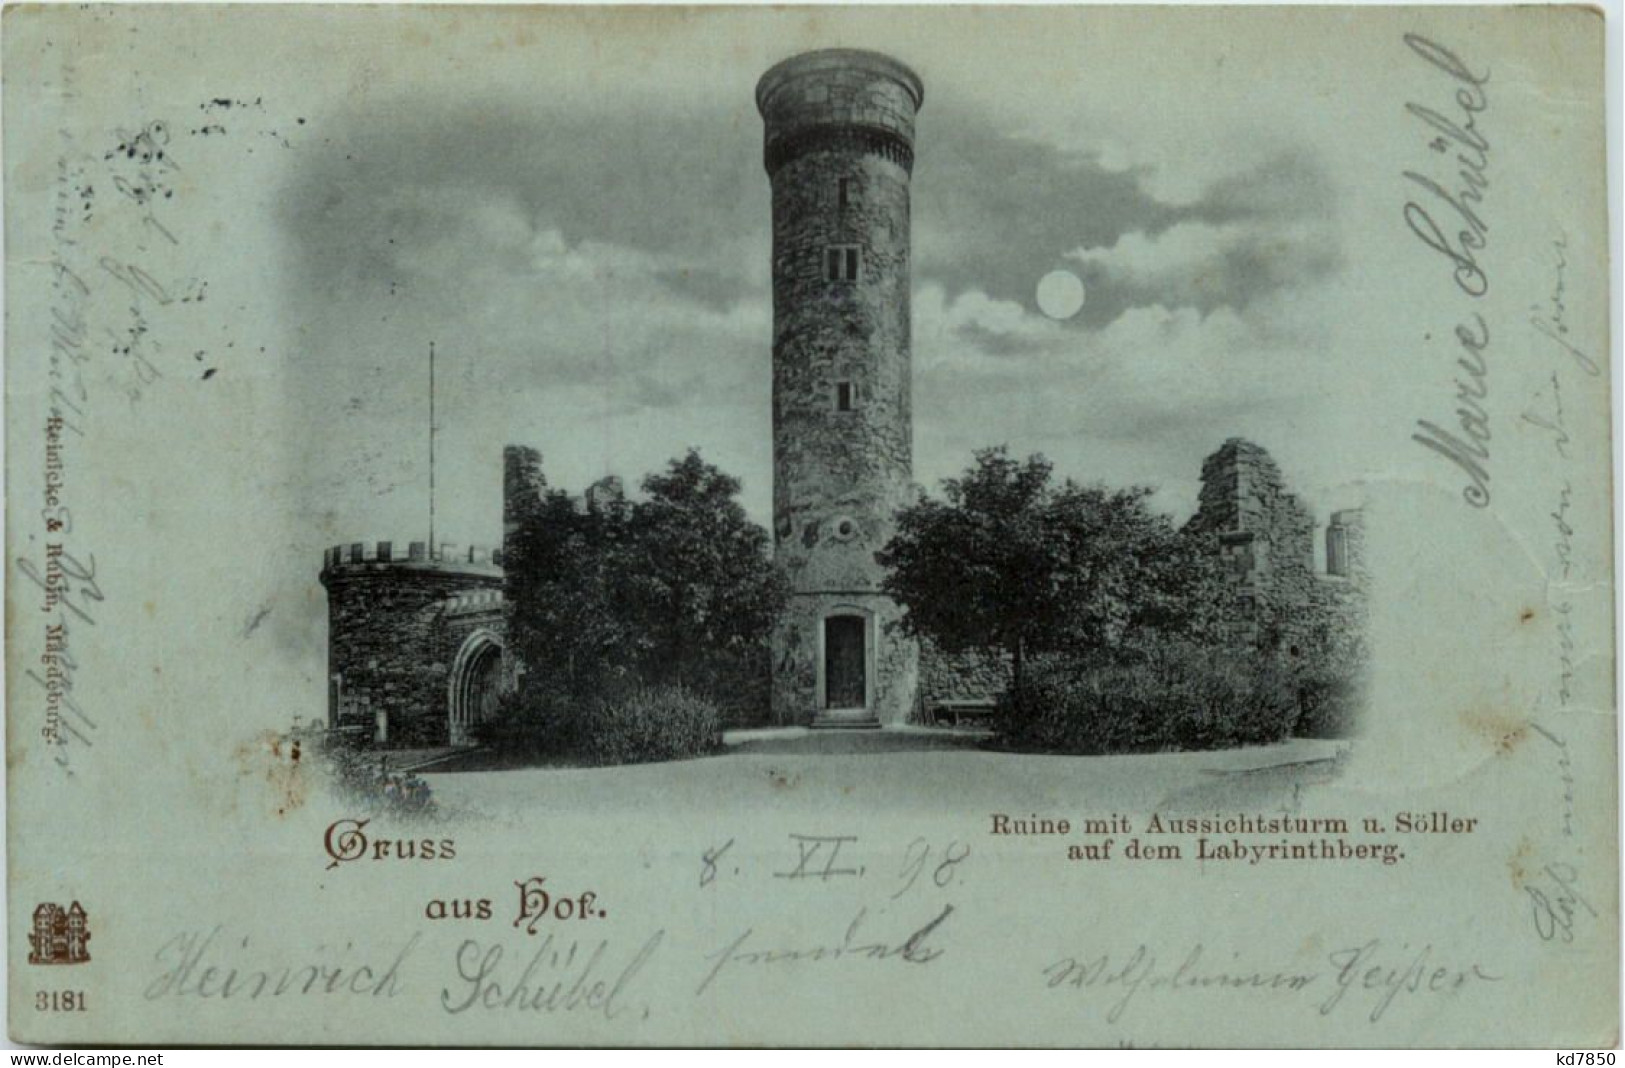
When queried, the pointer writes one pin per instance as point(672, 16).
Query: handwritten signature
point(560, 976)
point(1373, 972)
point(1557, 903)
point(198, 965)
point(1462, 135)
point(1458, 135)
point(1551, 319)
point(915, 948)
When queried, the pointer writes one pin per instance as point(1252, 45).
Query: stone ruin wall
point(972, 675)
point(1265, 535)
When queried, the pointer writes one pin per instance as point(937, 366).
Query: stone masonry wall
point(393, 635)
point(1266, 538)
point(1264, 535)
point(828, 463)
point(892, 658)
point(973, 675)
point(1345, 544)
point(523, 485)
point(1342, 596)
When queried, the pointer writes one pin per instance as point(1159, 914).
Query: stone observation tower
point(839, 153)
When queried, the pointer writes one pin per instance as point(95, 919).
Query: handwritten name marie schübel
point(1445, 213)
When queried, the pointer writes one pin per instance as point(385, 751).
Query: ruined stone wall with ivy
point(1265, 537)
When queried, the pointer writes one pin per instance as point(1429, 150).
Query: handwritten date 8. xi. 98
point(825, 858)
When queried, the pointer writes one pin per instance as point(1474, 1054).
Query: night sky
point(584, 234)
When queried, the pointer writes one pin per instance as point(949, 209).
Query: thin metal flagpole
point(431, 451)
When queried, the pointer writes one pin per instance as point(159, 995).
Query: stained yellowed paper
point(1354, 256)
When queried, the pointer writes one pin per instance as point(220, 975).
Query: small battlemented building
point(414, 641)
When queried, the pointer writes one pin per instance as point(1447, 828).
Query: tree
point(565, 628)
point(1125, 573)
point(678, 587)
point(1010, 561)
point(698, 584)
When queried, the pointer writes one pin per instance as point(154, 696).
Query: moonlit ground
point(900, 771)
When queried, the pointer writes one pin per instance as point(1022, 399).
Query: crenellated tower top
point(368, 557)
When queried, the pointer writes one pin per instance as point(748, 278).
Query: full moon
point(1060, 294)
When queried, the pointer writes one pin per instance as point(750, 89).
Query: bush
point(649, 723)
point(362, 779)
point(1222, 699)
point(1068, 706)
point(1331, 701)
point(738, 682)
point(642, 723)
point(530, 725)
point(1176, 695)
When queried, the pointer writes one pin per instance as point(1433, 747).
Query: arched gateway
point(473, 685)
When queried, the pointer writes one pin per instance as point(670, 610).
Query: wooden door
point(845, 662)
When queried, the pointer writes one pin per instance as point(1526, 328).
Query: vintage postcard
point(809, 526)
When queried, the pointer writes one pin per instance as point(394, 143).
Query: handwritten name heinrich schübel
point(208, 966)
point(559, 976)
point(1446, 214)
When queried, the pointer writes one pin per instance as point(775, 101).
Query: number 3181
point(59, 1001)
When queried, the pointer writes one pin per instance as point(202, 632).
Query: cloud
point(1207, 266)
point(1141, 257)
point(596, 281)
point(995, 212)
point(998, 211)
point(1142, 400)
point(577, 300)
point(714, 288)
point(962, 331)
point(653, 179)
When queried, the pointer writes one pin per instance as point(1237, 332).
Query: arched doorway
point(474, 685)
point(846, 666)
